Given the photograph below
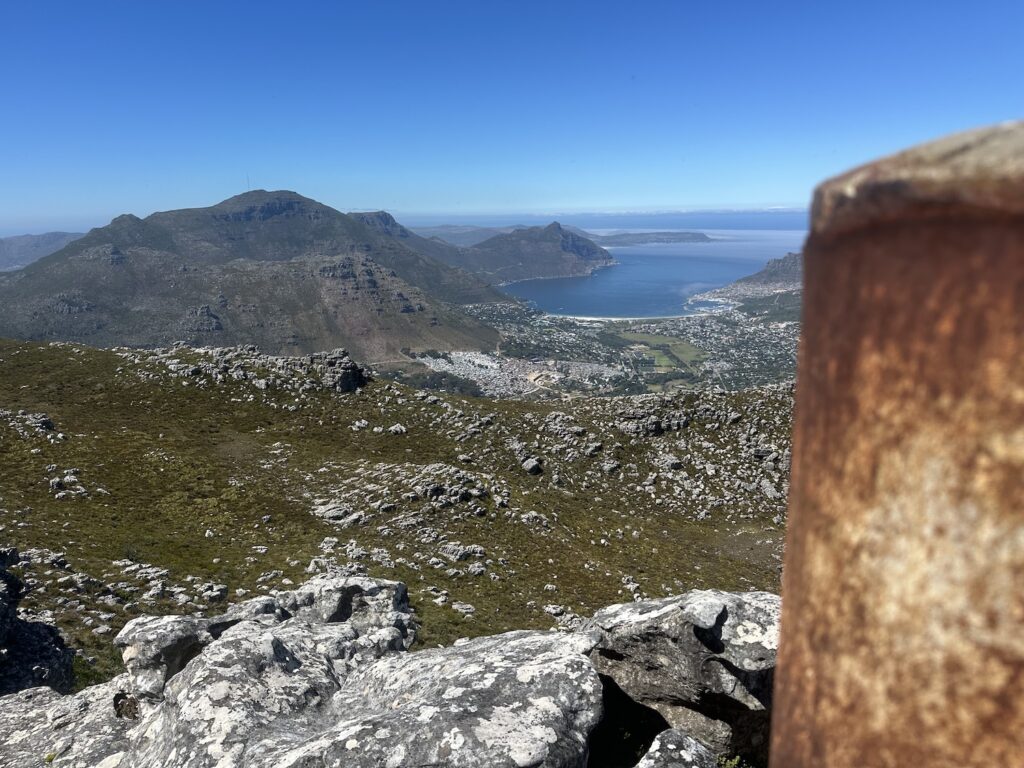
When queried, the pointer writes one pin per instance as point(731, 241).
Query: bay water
point(656, 280)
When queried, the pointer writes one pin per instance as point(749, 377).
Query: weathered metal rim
point(979, 171)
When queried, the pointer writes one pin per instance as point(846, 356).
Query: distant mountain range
point(278, 270)
point(463, 235)
point(521, 254)
point(645, 238)
point(21, 250)
point(269, 268)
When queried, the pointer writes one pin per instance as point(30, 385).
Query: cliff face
point(32, 652)
point(786, 273)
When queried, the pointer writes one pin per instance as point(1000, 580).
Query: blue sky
point(462, 108)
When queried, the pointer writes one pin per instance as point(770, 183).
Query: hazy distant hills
point(551, 251)
point(508, 254)
point(645, 238)
point(270, 268)
point(22, 250)
point(463, 235)
point(521, 253)
point(470, 236)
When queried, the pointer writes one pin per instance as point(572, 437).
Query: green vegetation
point(664, 362)
point(671, 352)
point(167, 459)
point(419, 377)
point(782, 307)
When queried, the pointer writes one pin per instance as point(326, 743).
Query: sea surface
point(656, 280)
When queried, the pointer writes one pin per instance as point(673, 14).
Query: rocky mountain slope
point(21, 250)
point(523, 254)
point(139, 482)
point(321, 675)
point(772, 297)
point(520, 253)
point(786, 273)
point(272, 268)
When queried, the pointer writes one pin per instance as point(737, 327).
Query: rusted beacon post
point(903, 591)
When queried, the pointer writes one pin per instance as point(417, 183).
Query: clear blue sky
point(424, 106)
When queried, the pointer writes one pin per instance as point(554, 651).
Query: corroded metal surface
point(903, 591)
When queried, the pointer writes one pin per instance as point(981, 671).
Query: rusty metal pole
point(903, 590)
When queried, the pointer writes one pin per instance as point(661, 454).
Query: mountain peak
point(125, 219)
point(260, 204)
point(381, 221)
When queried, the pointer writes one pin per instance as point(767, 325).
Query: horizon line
point(399, 214)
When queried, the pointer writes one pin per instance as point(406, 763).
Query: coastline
point(588, 273)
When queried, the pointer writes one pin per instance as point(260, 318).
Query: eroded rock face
point(9, 589)
point(316, 677)
point(155, 648)
point(319, 678)
point(518, 699)
point(703, 660)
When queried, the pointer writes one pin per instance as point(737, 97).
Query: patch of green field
point(782, 307)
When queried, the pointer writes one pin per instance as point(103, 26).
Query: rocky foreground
point(322, 676)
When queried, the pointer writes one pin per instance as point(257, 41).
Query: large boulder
point(320, 677)
point(518, 699)
point(703, 660)
point(155, 648)
point(317, 677)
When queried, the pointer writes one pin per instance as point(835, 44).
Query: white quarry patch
point(510, 377)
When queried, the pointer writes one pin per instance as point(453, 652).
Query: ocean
point(656, 280)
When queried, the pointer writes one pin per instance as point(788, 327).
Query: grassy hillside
point(155, 484)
